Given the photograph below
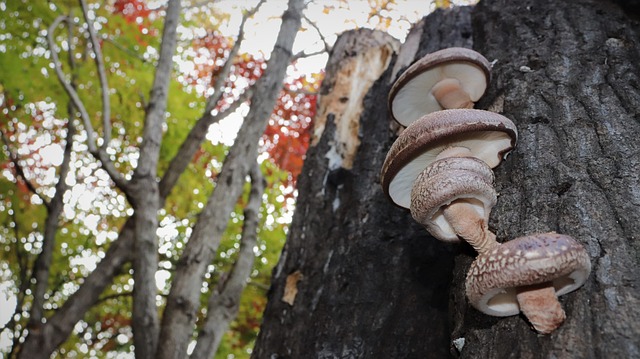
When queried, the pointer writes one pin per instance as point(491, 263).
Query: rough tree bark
point(369, 282)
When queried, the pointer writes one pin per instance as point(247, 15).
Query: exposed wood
point(374, 283)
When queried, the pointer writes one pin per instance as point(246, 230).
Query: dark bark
point(371, 283)
point(575, 170)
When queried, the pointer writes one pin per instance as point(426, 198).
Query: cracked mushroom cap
point(548, 257)
point(410, 96)
point(488, 136)
point(451, 179)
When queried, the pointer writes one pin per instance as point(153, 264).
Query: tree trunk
point(184, 297)
point(568, 77)
point(359, 278)
point(224, 302)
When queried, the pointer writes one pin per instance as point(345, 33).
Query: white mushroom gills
point(454, 151)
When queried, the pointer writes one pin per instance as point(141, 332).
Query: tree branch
point(193, 141)
point(20, 170)
point(127, 51)
point(223, 303)
point(145, 198)
point(102, 76)
point(327, 47)
point(184, 297)
point(155, 111)
point(220, 80)
point(115, 176)
point(302, 54)
point(73, 95)
point(198, 132)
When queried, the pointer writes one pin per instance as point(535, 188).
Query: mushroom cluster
point(440, 168)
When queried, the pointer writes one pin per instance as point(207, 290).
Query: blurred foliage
point(34, 117)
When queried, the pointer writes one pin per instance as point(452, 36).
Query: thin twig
point(77, 102)
point(124, 49)
point(302, 54)
point(107, 165)
point(20, 170)
point(220, 80)
point(102, 76)
point(327, 47)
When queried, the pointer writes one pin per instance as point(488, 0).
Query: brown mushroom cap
point(488, 135)
point(410, 96)
point(548, 257)
point(464, 179)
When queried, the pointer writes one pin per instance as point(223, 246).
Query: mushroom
point(453, 197)
point(446, 79)
point(484, 135)
point(528, 274)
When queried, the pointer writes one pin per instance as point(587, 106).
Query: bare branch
point(224, 301)
point(127, 51)
point(102, 76)
point(116, 176)
point(184, 296)
point(20, 170)
point(193, 141)
point(218, 85)
point(327, 47)
point(303, 54)
point(73, 95)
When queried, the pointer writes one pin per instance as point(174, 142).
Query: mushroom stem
point(540, 305)
point(450, 94)
point(470, 226)
point(454, 151)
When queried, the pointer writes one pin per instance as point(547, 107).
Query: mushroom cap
point(488, 135)
point(541, 258)
point(451, 179)
point(410, 96)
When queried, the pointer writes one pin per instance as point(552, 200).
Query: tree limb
point(302, 54)
point(220, 80)
point(223, 303)
point(183, 301)
point(115, 176)
point(193, 141)
point(20, 171)
point(102, 76)
point(327, 47)
point(73, 95)
point(145, 198)
point(199, 131)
